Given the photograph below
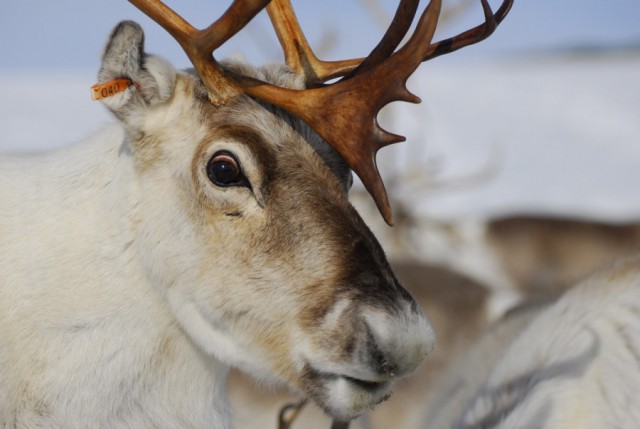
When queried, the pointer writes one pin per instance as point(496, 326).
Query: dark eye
point(223, 170)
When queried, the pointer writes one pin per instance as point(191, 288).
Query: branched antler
point(343, 113)
point(297, 52)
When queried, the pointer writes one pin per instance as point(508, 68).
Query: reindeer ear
point(124, 57)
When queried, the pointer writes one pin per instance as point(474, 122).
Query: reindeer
point(210, 229)
point(549, 254)
point(568, 363)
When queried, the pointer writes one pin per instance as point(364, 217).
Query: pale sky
point(69, 34)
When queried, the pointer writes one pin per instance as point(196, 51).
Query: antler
point(343, 113)
point(297, 52)
point(200, 44)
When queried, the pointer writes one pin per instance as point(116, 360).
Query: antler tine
point(396, 31)
point(235, 18)
point(162, 14)
point(200, 44)
point(474, 35)
point(297, 52)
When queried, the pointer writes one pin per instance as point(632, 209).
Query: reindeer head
point(242, 219)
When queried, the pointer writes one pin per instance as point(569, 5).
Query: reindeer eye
point(223, 170)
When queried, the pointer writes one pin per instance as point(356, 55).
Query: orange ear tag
point(107, 89)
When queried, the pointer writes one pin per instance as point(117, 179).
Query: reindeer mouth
point(370, 386)
point(366, 385)
point(345, 397)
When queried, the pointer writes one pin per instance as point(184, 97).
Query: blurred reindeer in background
point(548, 254)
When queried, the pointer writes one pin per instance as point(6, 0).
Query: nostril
point(380, 362)
point(384, 367)
point(397, 343)
point(387, 369)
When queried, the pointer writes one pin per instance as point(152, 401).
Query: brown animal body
point(542, 254)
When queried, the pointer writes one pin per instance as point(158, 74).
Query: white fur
point(571, 365)
point(72, 289)
point(406, 353)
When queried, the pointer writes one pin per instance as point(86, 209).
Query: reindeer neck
point(105, 322)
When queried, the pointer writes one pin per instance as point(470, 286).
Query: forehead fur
point(277, 126)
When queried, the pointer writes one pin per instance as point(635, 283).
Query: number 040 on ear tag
point(107, 89)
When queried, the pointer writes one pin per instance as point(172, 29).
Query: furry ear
point(153, 77)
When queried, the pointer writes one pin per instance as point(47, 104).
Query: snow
point(563, 129)
point(568, 130)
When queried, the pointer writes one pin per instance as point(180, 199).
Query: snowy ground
point(566, 131)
